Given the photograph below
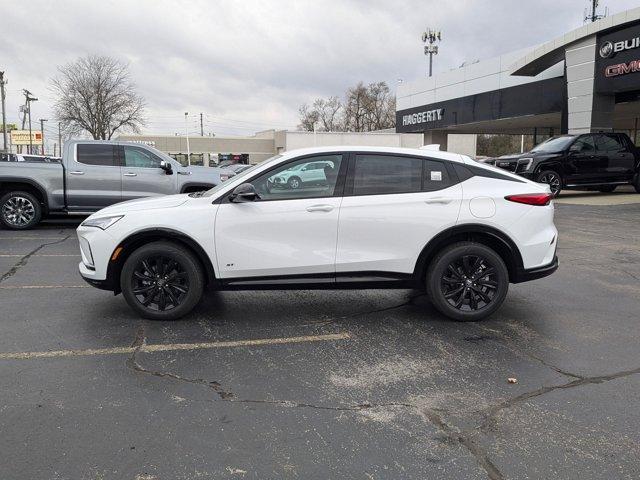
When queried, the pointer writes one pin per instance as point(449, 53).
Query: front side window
point(139, 157)
point(304, 178)
point(97, 154)
point(584, 144)
point(382, 174)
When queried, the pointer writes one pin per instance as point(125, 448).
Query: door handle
point(130, 174)
point(438, 201)
point(76, 172)
point(319, 208)
point(184, 173)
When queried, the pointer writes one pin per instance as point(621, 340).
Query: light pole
point(431, 36)
point(186, 131)
point(28, 99)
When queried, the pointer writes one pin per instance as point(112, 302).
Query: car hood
point(206, 173)
point(517, 156)
point(148, 203)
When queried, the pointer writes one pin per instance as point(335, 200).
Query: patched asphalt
point(326, 384)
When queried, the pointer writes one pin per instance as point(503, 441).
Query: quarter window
point(97, 154)
point(382, 174)
point(303, 178)
point(139, 157)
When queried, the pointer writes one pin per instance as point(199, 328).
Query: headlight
point(524, 164)
point(101, 222)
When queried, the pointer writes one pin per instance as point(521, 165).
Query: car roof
point(390, 150)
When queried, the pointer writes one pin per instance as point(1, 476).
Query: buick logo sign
point(606, 49)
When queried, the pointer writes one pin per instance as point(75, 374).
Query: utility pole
point(28, 99)
point(201, 127)
point(593, 16)
point(42, 120)
point(431, 36)
point(3, 82)
point(186, 131)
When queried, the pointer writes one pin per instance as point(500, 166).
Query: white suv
point(382, 218)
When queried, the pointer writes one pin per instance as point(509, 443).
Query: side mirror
point(166, 166)
point(244, 193)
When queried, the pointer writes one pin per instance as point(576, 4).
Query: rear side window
point(436, 176)
point(97, 154)
point(380, 174)
point(608, 143)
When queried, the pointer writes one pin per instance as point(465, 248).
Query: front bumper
point(538, 272)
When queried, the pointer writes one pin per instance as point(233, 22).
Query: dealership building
point(210, 150)
point(587, 80)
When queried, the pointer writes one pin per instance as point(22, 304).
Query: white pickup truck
point(94, 174)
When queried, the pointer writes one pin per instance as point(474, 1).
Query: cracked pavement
point(406, 395)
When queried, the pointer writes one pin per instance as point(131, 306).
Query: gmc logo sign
point(622, 68)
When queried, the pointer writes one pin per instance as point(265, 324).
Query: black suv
point(591, 161)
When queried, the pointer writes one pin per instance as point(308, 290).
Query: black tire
point(167, 276)
point(551, 178)
point(294, 183)
point(20, 210)
point(456, 284)
point(607, 188)
point(636, 182)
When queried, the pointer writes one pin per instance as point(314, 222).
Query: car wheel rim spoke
point(469, 283)
point(160, 283)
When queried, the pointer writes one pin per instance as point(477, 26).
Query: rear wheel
point(20, 210)
point(467, 281)
point(551, 178)
point(162, 281)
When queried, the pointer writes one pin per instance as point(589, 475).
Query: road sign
point(21, 137)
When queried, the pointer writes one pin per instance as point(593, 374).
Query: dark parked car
point(591, 161)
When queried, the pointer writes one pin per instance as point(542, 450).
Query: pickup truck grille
point(509, 165)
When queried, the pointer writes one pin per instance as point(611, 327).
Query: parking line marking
point(13, 255)
point(27, 287)
point(168, 347)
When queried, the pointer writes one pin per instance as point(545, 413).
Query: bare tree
point(95, 94)
point(365, 108)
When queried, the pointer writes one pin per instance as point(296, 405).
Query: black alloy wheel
point(467, 281)
point(552, 179)
point(162, 281)
point(20, 210)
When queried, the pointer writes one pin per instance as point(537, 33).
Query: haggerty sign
point(423, 117)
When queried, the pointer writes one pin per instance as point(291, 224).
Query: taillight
point(539, 199)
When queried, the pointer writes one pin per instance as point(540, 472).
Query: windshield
point(554, 144)
point(237, 179)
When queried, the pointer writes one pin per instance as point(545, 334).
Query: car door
point(286, 231)
point(620, 160)
point(93, 177)
point(393, 206)
point(584, 163)
point(142, 175)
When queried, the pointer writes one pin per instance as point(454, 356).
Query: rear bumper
point(538, 272)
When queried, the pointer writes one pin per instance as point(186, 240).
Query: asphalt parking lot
point(368, 384)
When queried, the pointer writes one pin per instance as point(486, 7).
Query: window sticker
point(436, 176)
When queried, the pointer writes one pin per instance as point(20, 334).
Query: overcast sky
point(248, 65)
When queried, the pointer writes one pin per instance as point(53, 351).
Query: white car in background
point(312, 173)
point(386, 218)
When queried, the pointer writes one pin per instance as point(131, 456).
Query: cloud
point(249, 65)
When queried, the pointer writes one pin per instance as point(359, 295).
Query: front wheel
point(551, 178)
point(467, 281)
point(20, 210)
point(162, 281)
point(294, 183)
